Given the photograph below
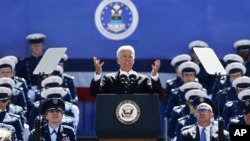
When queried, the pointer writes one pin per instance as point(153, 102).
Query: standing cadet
point(26, 67)
point(53, 130)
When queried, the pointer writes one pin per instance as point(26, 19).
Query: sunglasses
point(203, 110)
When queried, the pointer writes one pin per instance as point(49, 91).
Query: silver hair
point(125, 47)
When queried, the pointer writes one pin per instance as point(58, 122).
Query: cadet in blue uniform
point(241, 119)
point(9, 118)
point(50, 82)
point(175, 82)
point(26, 67)
point(53, 130)
point(7, 69)
point(205, 79)
point(56, 92)
point(233, 108)
point(243, 49)
point(234, 70)
point(68, 80)
point(180, 111)
point(17, 96)
point(188, 71)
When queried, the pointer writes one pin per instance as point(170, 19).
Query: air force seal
point(116, 19)
point(127, 112)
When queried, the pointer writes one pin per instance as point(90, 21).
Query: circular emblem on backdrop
point(127, 112)
point(116, 19)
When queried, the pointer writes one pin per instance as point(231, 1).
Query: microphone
point(132, 77)
point(123, 77)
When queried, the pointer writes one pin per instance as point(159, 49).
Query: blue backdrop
point(165, 26)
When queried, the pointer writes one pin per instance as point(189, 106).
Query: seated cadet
point(203, 130)
point(175, 82)
point(7, 132)
point(189, 121)
point(242, 119)
point(183, 110)
point(125, 80)
point(225, 80)
point(17, 96)
point(56, 92)
point(9, 118)
point(234, 70)
point(68, 80)
point(25, 67)
point(67, 83)
point(8, 70)
point(188, 71)
point(204, 78)
point(233, 108)
point(242, 46)
point(51, 82)
point(52, 110)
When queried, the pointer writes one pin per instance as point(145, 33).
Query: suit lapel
point(197, 133)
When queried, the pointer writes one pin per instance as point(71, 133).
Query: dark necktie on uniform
point(203, 135)
point(54, 131)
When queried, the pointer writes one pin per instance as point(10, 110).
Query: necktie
point(203, 135)
point(54, 131)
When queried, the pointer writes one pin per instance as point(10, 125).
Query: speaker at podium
point(130, 117)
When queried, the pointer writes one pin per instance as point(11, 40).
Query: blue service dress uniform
point(172, 84)
point(231, 109)
point(65, 133)
point(25, 68)
point(238, 120)
point(226, 95)
point(175, 99)
point(177, 112)
point(35, 112)
point(14, 109)
point(68, 82)
point(184, 123)
point(18, 98)
point(13, 120)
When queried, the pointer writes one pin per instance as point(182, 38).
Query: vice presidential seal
point(127, 112)
point(116, 19)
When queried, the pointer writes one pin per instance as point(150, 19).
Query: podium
point(130, 117)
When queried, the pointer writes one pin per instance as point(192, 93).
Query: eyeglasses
point(203, 110)
point(4, 100)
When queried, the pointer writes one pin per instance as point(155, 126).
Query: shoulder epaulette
point(179, 107)
point(224, 90)
point(68, 76)
point(14, 115)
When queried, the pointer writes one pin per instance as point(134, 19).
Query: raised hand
point(98, 65)
point(155, 67)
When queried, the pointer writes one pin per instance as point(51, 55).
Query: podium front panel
point(107, 124)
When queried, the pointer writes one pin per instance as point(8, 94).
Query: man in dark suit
point(126, 80)
point(52, 110)
point(204, 130)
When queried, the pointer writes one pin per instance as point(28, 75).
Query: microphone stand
point(220, 120)
point(38, 129)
